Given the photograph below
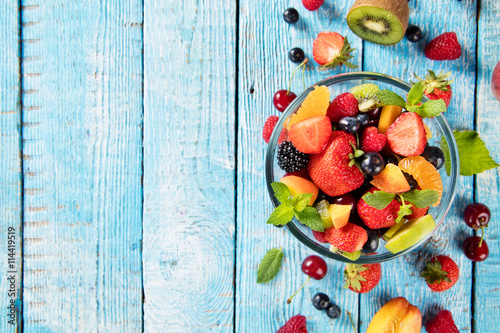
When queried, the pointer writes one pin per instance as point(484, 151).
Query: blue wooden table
point(132, 165)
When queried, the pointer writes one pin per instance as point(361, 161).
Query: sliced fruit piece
point(353, 256)
point(391, 180)
point(406, 136)
point(410, 233)
point(397, 315)
point(339, 214)
point(324, 214)
point(350, 238)
point(331, 49)
point(388, 115)
point(428, 133)
point(425, 174)
point(379, 21)
point(392, 230)
point(366, 96)
point(315, 104)
point(311, 135)
point(298, 185)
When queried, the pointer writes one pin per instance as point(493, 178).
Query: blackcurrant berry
point(321, 301)
point(296, 55)
point(363, 119)
point(371, 244)
point(371, 163)
point(434, 155)
point(291, 15)
point(333, 311)
point(414, 34)
point(349, 124)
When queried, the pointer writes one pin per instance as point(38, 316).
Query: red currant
point(282, 98)
point(477, 215)
point(475, 249)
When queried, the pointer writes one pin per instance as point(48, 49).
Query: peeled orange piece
point(424, 173)
point(315, 104)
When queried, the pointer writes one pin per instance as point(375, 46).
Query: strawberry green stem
point(288, 301)
point(482, 237)
point(290, 82)
point(352, 322)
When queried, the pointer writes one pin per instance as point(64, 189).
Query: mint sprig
point(404, 210)
point(270, 265)
point(388, 97)
point(419, 198)
point(378, 199)
point(474, 156)
point(294, 206)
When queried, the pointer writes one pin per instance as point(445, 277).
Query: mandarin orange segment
point(424, 173)
point(315, 104)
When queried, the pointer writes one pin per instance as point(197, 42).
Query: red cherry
point(346, 199)
point(315, 267)
point(473, 250)
point(477, 215)
point(282, 99)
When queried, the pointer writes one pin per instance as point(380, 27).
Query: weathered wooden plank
point(487, 292)
point(82, 117)
point(10, 169)
point(264, 41)
point(189, 161)
point(401, 276)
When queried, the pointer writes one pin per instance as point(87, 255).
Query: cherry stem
point(352, 322)
point(288, 301)
point(482, 237)
point(290, 82)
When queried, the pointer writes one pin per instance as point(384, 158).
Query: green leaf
point(421, 198)
point(431, 108)
point(300, 201)
point(416, 93)
point(378, 199)
point(403, 210)
point(281, 215)
point(388, 97)
point(311, 218)
point(474, 156)
point(270, 265)
point(281, 192)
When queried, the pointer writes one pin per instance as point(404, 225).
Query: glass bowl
point(438, 126)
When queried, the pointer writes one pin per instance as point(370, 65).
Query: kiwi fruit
point(366, 94)
point(352, 256)
point(379, 21)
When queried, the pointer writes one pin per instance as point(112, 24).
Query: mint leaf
point(269, 266)
point(388, 97)
point(378, 199)
point(299, 202)
point(431, 108)
point(310, 217)
point(403, 211)
point(421, 198)
point(416, 93)
point(281, 215)
point(474, 156)
point(281, 192)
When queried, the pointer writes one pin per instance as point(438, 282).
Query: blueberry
point(291, 15)
point(349, 125)
point(414, 34)
point(434, 155)
point(333, 311)
point(363, 119)
point(296, 55)
point(411, 181)
point(391, 159)
point(371, 244)
point(321, 301)
point(371, 163)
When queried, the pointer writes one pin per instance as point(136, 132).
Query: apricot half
point(396, 316)
point(298, 185)
point(391, 180)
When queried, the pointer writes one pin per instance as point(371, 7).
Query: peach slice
point(391, 180)
point(340, 214)
point(428, 133)
point(397, 315)
point(388, 116)
point(298, 185)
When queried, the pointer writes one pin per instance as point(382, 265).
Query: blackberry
point(290, 159)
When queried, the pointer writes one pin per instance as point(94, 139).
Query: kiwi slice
point(352, 256)
point(366, 94)
point(324, 214)
point(410, 233)
point(379, 21)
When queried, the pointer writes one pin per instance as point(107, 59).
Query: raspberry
point(344, 105)
point(443, 323)
point(290, 159)
point(312, 5)
point(372, 140)
point(296, 324)
point(320, 236)
point(268, 127)
point(444, 47)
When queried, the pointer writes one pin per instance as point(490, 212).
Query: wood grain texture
point(486, 287)
point(264, 41)
point(82, 120)
point(401, 276)
point(189, 165)
point(10, 168)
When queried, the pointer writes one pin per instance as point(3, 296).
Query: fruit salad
point(360, 164)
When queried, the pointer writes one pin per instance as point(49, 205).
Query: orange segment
point(424, 173)
point(315, 104)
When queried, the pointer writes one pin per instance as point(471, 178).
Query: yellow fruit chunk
point(425, 174)
point(396, 316)
point(298, 185)
point(428, 133)
point(340, 214)
point(391, 180)
point(315, 104)
point(388, 116)
point(410, 233)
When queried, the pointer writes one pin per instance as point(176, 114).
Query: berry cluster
point(322, 302)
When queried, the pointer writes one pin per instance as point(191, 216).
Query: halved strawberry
point(349, 238)
point(406, 136)
point(331, 49)
point(311, 135)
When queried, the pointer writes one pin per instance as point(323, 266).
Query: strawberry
point(372, 140)
point(362, 278)
point(269, 127)
point(443, 323)
point(296, 324)
point(378, 218)
point(311, 135)
point(330, 169)
point(331, 49)
point(440, 273)
point(344, 105)
point(417, 212)
point(312, 5)
point(437, 86)
point(349, 238)
point(406, 135)
point(444, 47)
